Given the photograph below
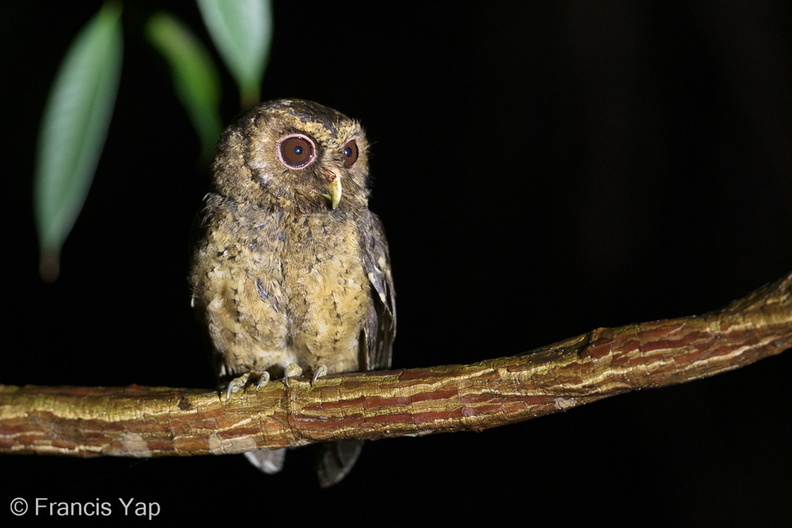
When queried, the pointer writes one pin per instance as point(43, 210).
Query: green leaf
point(242, 32)
point(73, 130)
point(194, 75)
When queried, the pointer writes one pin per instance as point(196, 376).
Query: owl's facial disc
point(298, 151)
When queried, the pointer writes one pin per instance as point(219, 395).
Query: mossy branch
point(155, 421)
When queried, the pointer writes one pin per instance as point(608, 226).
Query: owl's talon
point(263, 379)
point(320, 371)
point(291, 370)
point(236, 384)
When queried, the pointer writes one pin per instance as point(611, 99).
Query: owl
point(290, 270)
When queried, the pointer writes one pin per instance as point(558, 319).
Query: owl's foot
point(320, 371)
point(243, 381)
point(264, 378)
point(291, 370)
point(236, 385)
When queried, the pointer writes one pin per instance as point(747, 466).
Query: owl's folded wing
point(380, 327)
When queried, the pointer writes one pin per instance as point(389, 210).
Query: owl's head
point(291, 153)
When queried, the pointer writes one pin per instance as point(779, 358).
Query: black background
point(542, 168)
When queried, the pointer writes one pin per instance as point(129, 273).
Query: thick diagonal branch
point(153, 421)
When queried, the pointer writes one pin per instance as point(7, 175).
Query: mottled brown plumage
point(290, 270)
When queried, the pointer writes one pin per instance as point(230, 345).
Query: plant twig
point(155, 421)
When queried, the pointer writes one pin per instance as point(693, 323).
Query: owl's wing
point(197, 241)
point(380, 327)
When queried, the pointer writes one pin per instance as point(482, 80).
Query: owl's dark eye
point(297, 151)
point(350, 153)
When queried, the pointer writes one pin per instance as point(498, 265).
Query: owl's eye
point(350, 153)
point(297, 151)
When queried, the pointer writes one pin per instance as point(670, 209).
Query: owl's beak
point(333, 176)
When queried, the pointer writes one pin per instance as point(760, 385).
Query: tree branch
point(155, 421)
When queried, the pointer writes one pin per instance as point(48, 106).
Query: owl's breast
point(236, 280)
point(329, 292)
point(277, 289)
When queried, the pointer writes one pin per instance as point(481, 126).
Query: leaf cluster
point(83, 94)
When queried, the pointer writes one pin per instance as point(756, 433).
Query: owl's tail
point(267, 460)
point(336, 460)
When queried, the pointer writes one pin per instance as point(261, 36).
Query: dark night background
point(542, 168)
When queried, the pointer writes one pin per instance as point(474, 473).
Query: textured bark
point(155, 421)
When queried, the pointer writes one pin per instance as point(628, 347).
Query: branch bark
point(157, 421)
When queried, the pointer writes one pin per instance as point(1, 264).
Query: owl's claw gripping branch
point(320, 371)
point(263, 380)
point(242, 382)
point(236, 384)
point(292, 370)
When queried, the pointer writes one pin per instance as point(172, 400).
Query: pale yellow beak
point(333, 188)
